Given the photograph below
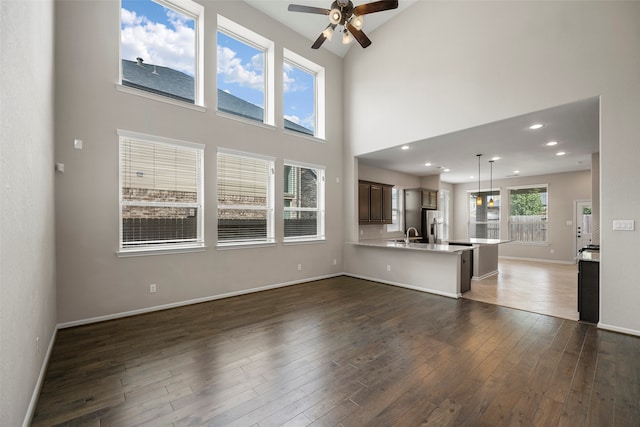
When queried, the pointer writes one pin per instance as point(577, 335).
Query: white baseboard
point(36, 390)
point(189, 302)
point(551, 261)
point(618, 329)
point(484, 276)
point(404, 285)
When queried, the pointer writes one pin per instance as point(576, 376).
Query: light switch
point(77, 144)
point(60, 167)
point(623, 225)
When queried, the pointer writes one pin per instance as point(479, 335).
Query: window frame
point(199, 243)
point(251, 38)
point(399, 224)
point(270, 237)
point(194, 11)
point(487, 193)
point(524, 187)
point(320, 208)
point(319, 91)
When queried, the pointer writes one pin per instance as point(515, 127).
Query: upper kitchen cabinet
point(374, 203)
point(430, 199)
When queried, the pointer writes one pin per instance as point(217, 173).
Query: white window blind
point(160, 192)
point(303, 202)
point(245, 199)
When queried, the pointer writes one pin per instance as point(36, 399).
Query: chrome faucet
point(406, 238)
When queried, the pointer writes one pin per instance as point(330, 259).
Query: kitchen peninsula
point(443, 269)
point(485, 255)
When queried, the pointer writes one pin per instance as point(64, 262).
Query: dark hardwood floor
point(341, 351)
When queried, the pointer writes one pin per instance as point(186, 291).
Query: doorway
point(584, 224)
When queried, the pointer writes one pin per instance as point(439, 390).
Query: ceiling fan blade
point(318, 41)
point(359, 35)
point(376, 6)
point(308, 9)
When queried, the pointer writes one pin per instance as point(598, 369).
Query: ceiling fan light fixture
point(335, 16)
point(357, 22)
point(346, 37)
point(328, 32)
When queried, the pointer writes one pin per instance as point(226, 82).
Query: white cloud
point(157, 43)
point(294, 119)
point(288, 82)
point(231, 67)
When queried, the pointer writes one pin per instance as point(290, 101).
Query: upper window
point(445, 206)
point(161, 195)
point(396, 210)
point(484, 219)
point(303, 93)
point(160, 48)
point(245, 198)
point(528, 214)
point(303, 202)
point(245, 70)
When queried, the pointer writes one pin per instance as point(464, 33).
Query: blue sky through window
point(158, 35)
point(299, 96)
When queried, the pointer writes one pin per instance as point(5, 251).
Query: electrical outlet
point(335, 262)
point(299, 267)
point(553, 251)
point(37, 345)
point(361, 232)
point(388, 267)
point(152, 288)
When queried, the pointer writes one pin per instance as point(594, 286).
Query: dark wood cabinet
point(589, 291)
point(374, 203)
point(430, 199)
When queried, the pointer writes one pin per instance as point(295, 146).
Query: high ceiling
point(575, 128)
point(311, 25)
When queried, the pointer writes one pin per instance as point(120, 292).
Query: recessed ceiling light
point(495, 158)
point(536, 126)
point(446, 169)
point(470, 176)
point(404, 147)
point(560, 153)
point(552, 143)
point(516, 171)
point(427, 164)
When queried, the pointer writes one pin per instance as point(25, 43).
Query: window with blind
point(528, 214)
point(161, 193)
point(245, 198)
point(303, 202)
point(396, 210)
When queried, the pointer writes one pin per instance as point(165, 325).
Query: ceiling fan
point(343, 13)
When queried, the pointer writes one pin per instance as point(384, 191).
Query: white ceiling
point(311, 25)
point(574, 126)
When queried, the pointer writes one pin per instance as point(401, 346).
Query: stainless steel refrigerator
point(432, 226)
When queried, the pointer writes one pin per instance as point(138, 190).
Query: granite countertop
point(427, 247)
point(478, 241)
point(587, 255)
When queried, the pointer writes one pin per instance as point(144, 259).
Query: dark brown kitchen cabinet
point(374, 203)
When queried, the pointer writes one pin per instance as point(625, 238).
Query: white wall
point(92, 280)
point(564, 189)
point(27, 257)
point(440, 67)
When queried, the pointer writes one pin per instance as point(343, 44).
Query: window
point(303, 93)
point(160, 48)
point(161, 195)
point(396, 210)
point(444, 204)
point(245, 198)
point(484, 220)
point(528, 211)
point(303, 202)
point(245, 73)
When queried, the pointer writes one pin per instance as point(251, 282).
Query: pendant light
point(491, 185)
point(479, 197)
